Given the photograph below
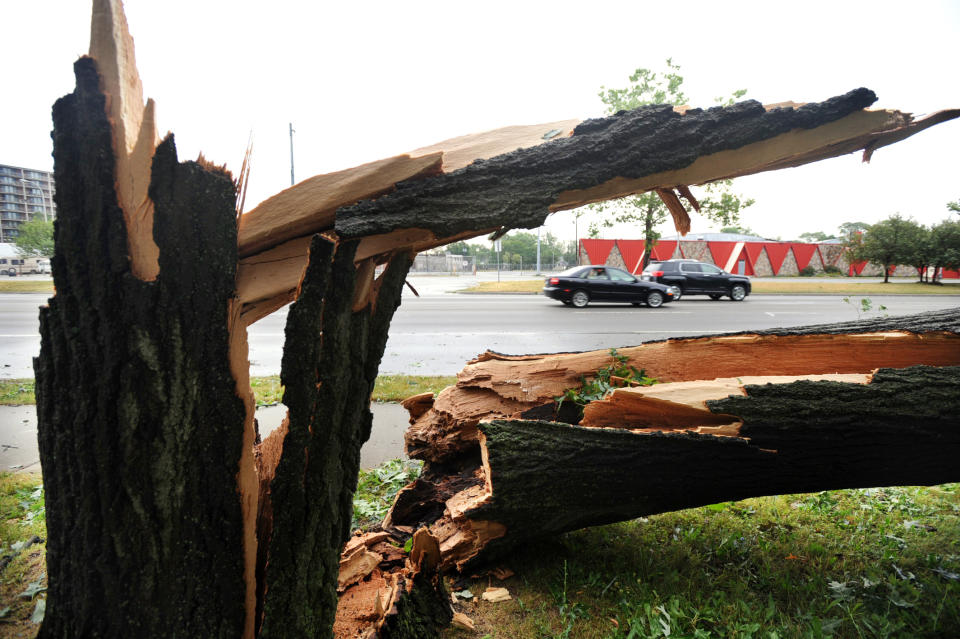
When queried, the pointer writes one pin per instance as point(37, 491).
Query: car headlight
point(674, 290)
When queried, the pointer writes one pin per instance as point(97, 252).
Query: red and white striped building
point(758, 258)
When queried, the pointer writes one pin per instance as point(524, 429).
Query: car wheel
point(580, 298)
point(678, 294)
point(737, 293)
point(715, 296)
point(654, 299)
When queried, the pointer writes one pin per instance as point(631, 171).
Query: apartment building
point(24, 195)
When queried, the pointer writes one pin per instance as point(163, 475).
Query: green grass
point(26, 286)
point(377, 487)
point(395, 388)
point(851, 286)
point(16, 392)
point(849, 563)
point(786, 286)
point(22, 531)
point(852, 564)
point(267, 390)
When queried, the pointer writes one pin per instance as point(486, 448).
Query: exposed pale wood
point(311, 205)
point(356, 566)
point(496, 595)
point(683, 405)
point(273, 272)
point(723, 356)
point(801, 146)
point(386, 600)
point(887, 138)
point(681, 219)
point(256, 311)
point(417, 405)
point(248, 480)
point(413, 239)
point(134, 130)
point(463, 622)
point(466, 149)
point(494, 386)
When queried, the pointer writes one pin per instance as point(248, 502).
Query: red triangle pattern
point(777, 253)
point(597, 250)
point(663, 250)
point(803, 253)
point(721, 252)
point(631, 251)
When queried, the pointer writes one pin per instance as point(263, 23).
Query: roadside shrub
point(807, 271)
point(832, 270)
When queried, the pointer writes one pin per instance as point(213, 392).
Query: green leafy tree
point(35, 238)
point(954, 206)
point(945, 240)
point(920, 251)
point(718, 203)
point(742, 230)
point(887, 243)
point(815, 236)
point(850, 229)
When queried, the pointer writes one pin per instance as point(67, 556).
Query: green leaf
point(39, 610)
point(407, 547)
point(32, 589)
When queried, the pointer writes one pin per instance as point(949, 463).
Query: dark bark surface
point(139, 426)
point(514, 190)
point(902, 429)
point(329, 366)
point(421, 613)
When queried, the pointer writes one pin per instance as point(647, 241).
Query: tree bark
point(139, 426)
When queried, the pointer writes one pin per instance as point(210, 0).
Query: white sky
point(364, 80)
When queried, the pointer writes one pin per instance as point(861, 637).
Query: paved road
point(436, 333)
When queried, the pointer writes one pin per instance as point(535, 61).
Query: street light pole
point(291, 154)
point(538, 250)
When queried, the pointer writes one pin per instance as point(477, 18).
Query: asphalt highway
point(437, 333)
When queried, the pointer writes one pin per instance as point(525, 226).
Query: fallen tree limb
point(498, 386)
point(495, 478)
point(514, 177)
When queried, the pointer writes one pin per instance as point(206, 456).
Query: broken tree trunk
point(139, 425)
point(165, 515)
point(494, 478)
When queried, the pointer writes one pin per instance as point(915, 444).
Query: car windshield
point(573, 271)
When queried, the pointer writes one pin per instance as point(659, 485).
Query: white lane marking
point(770, 314)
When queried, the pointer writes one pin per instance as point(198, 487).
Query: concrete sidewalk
point(18, 435)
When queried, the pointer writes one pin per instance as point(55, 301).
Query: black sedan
point(580, 285)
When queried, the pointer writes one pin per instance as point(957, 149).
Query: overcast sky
point(365, 80)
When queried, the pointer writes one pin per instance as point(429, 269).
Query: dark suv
point(697, 278)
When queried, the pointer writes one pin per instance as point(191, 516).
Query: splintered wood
point(376, 575)
point(480, 429)
point(134, 131)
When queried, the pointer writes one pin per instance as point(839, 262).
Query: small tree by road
point(895, 240)
point(719, 204)
point(945, 243)
point(35, 238)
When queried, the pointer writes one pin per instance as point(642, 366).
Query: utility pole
point(538, 250)
point(291, 154)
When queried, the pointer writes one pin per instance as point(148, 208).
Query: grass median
point(267, 390)
point(796, 286)
point(26, 286)
point(879, 562)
